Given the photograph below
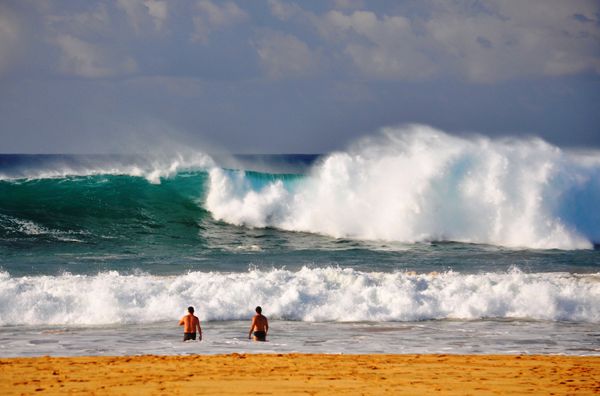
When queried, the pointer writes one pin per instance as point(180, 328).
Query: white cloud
point(95, 20)
point(215, 17)
point(157, 9)
point(517, 39)
point(86, 42)
point(385, 47)
point(480, 42)
point(140, 11)
point(84, 59)
point(485, 42)
point(134, 11)
point(284, 55)
point(284, 10)
point(349, 4)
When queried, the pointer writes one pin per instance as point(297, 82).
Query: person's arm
point(252, 327)
point(266, 325)
point(182, 321)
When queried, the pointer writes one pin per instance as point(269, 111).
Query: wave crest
point(150, 167)
point(420, 184)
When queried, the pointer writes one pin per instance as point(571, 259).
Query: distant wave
point(151, 167)
point(318, 294)
point(420, 184)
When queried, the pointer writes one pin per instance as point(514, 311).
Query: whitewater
point(423, 185)
point(470, 243)
point(313, 295)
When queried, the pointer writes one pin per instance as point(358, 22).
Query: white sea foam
point(317, 294)
point(15, 226)
point(420, 184)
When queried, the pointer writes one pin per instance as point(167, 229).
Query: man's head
point(258, 310)
point(191, 310)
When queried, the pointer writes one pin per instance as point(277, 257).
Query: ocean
point(409, 242)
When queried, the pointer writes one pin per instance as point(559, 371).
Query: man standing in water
point(260, 326)
point(190, 323)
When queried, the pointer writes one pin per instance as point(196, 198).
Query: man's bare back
point(260, 326)
point(190, 323)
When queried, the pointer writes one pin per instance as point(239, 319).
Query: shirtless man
point(190, 323)
point(260, 326)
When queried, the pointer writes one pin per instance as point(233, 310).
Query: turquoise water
point(90, 224)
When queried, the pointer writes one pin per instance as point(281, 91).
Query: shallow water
point(447, 337)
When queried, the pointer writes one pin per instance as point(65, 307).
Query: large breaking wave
point(405, 185)
point(317, 294)
point(420, 184)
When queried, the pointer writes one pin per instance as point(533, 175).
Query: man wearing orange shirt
point(190, 323)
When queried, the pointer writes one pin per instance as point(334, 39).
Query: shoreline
point(302, 373)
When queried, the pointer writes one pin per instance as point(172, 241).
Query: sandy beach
point(302, 374)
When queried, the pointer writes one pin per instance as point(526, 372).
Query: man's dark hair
point(191, 310)
point(258, 310)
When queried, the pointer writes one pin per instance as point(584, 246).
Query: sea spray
point(310, 294)
point(420, 184)
point(152, 167)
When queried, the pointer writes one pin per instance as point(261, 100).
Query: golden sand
point(302, 374)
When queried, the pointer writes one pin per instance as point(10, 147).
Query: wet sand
point(302, 374)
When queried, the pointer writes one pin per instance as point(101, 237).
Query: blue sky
point(292, 77)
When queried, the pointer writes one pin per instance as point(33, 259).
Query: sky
point(279, 76)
